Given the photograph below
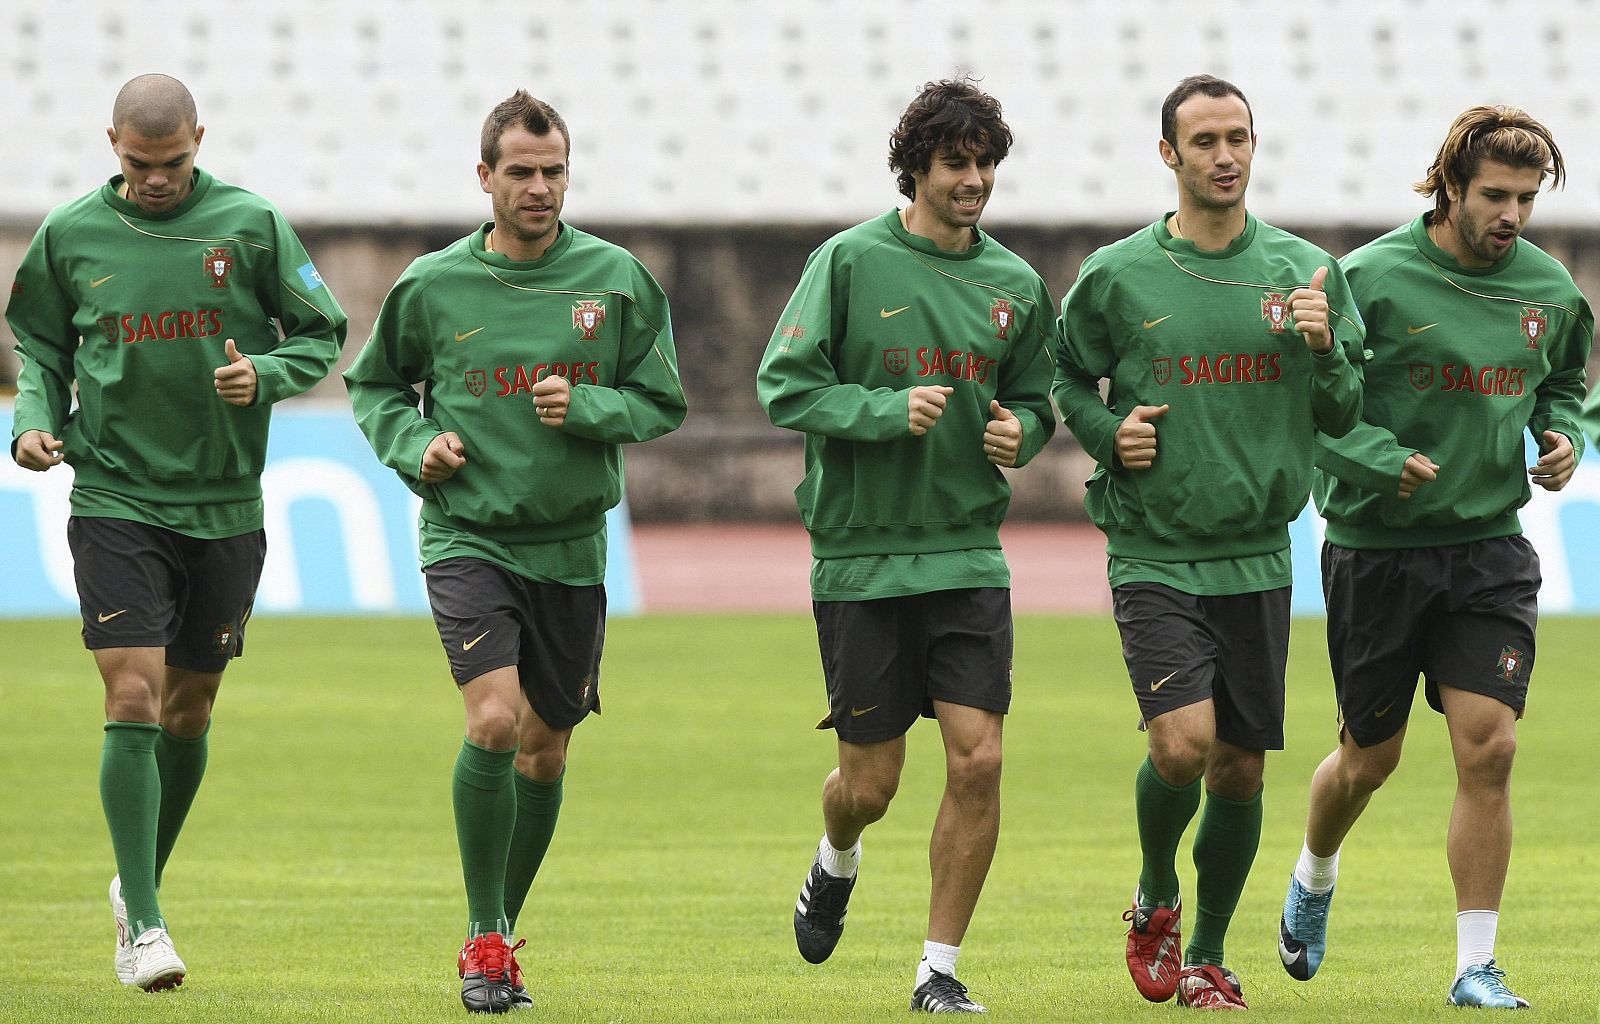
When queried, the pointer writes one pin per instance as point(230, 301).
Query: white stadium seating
point(745, 112)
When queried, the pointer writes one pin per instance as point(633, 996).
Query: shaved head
point(155, 106)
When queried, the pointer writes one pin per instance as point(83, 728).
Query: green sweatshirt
point(154, 297)
point(1207, 334)
point(877, 312)
point(1461, 362)
point(477, 330)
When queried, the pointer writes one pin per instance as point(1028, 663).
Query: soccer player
point(182, 308)
point(914, 355)
point(1475, 335)
point(540, 350)
point(1224, 341)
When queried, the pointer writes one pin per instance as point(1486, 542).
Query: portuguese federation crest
point(1275, 311)
point(1002, 316)
point(219, 264)
point(1511, 661)
point(1534, 326)
point(588, 316)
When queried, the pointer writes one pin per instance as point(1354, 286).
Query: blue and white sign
point(341, 530)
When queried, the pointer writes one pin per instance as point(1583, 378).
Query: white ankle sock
point(936, 956)
point(839, 863)
point(1316, 874)
point(1475, 938)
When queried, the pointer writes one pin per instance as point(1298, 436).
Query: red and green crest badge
point(219, 263)
point(1161, 369)
point(477, 383)
point(1002, 316)
point(1534, 326)
point(1275, 311)
point(895, 360)
point(1421, 376)
point(588, 316)
point(108, 327)
point(1510, 663)
point(222, 638)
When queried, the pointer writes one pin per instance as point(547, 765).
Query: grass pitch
point(317, 879)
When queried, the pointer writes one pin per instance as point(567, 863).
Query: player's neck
point(919, 221)
point(507, 244)
point(1209, 228)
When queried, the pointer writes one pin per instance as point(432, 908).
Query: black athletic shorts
point(886, 661)
point(1231, 649)
point(1462, 615)
point(490, 617)
point(145, 586)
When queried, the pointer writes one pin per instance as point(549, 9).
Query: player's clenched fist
point(1136, 437)
point(1418, 470)
point(926, 405)
point(236, 382)
point(1308, 307)
point(37, 450)
point(552, 397)
point(1002, 436)
point(1556, 462)
point(445, 454)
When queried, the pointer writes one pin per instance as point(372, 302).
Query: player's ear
point(1169, 156)
point(483, 176)
point(111, 133)
point(199, 133)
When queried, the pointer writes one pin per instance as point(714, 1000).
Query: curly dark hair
point(951, 114)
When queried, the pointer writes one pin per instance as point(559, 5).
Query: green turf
point(318, 880)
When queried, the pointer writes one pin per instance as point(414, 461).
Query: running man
point(541, 350)
point(161, 295)
point(914, 356)
point(1475, 337)
point(1225, 340)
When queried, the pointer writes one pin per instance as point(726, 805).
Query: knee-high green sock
point(1164, 811)
point(130, 792)
point(538, 806)
point(1224, 848)
point(181, 763)
point(486, 811)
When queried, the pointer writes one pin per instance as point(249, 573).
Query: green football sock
point(538, 807)
point(130, 792)
point(1163, 811)
point(181, 763)
point(1224, 848)
point(486, 811)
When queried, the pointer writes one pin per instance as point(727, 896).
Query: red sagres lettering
point(170, 325)
point(515, 380)
point(1230, 368)
point(1507, 381)
point(955, 364)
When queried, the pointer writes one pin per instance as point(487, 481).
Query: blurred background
point(721, 141)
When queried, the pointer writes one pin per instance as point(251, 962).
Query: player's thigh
point(1251, 632)
point(476, 610)
point(1380, 604)
point(564, 634)
point(129, 577)
point(1484, 643)
point(221, 577)
point(1166, 645)
point(872, 665)
point(969, 649)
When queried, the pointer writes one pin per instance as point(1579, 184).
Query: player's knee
point(493, 726)
point(544, 764)
point(870, 797)
point(1178, 758)
point(976, 771)
point(1487, 760)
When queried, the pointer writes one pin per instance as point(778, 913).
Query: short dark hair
point(519, 110)
point(951, 114)
point(1506, 135)
point(154, 106)
point(1201, 85)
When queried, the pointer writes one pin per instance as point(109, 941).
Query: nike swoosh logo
point(1159, 683)
point(108, 618)
point(858, 712)
point(1290, 957)
point(464, 337)
point(1151, 323)
point(101, 281)
point(1419, 330)
point(887, 313)
point(1385, 711)
point(467, 645)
